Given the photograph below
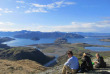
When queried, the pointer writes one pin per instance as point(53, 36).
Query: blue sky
point(55, 15)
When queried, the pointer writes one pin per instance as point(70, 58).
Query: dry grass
point(20, 67)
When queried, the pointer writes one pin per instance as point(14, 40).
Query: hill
point(20, 67)
point(61, 41)
point(21, 53)
point(5, 39)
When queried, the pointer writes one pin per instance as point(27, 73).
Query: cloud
point(0, 14)
point(6, 23)
point(75, 27)
point(101, 26)
point(20, 2)
point(36, 10)
point(7, 11)
point(54, 5)
point(17, 7)
point(70, 3)
point(47, 7)
point(1, 9)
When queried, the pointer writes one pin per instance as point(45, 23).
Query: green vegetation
point(61, 41)
point(20, 53)
point(77, 48)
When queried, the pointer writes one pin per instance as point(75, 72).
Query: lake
point(89, 40)
point(98, 48)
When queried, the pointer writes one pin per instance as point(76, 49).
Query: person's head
point(70, 54)
point(84, 54)
point(97, 55)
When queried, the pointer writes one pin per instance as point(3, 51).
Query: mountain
point(91, 34)
point(30, 35)
point(24, 33)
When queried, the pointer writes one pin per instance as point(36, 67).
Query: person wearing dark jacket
point(86, 63)
point(99, 63)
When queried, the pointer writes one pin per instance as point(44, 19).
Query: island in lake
point(105, 40)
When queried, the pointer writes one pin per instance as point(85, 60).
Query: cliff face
point(20, 53)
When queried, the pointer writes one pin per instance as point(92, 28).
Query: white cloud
point(6, 23)
point(73, 27)
point(36, 10)
point(20, 1)
point(8, 11)
point(1, 9)
point(17, 7)
point(0, 14)
point(69, 3)
point(54, 5)
point(38, 5)
point(44, 8)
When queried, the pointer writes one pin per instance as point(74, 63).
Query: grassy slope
point(20, 67)
point(19, 53)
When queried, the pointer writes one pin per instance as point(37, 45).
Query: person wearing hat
point(71, 65)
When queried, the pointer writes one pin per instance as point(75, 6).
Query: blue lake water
point(98, 48)
point(23, 42)
point(89, 40)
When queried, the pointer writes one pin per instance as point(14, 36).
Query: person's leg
point(97, 66)
point(83, 66)
point(65, 69)
point(74, 71)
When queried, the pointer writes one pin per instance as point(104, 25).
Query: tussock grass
point(20, 67)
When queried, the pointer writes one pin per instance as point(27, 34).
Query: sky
point(55, 15)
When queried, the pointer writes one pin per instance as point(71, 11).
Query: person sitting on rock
point(99, 63)
point(71, 65)
point(86, 63)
